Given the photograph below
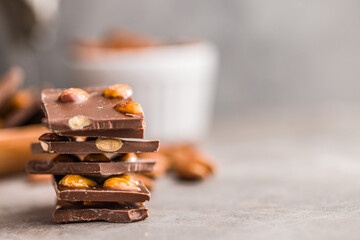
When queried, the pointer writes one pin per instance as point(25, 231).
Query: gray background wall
point(286, 53)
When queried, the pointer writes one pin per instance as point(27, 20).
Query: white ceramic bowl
point(173, 83)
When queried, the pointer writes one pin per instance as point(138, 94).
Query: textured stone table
point(280, 177)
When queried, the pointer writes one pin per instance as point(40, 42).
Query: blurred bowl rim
point(195, 52)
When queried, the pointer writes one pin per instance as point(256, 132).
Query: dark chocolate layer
point(111, 213)
point(89, 168)
point(99, 194)
point(63, 145)
point(98, 109)
point(120, 133)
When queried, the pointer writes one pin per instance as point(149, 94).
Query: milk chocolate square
point(112, 212)
point(52, 143)
point(89, 168)
point(100, 194)
point(96, 113)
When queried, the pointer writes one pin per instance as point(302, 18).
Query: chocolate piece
point(97, 157)
point(91, 157)
point(100, 194)
point(113, 212)
point(96, 113)
point(121, 133)
point(51, 143)
point(89, 168)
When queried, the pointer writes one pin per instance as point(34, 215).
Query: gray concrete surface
point(280, 177)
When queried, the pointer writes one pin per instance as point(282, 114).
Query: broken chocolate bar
point(52, 143)
point(113, 212)
point(89, 168)
point(100, 194)
point(97, 133)
point(120, 133)
point(89, 111)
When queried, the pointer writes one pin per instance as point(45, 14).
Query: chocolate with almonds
point(112, 212)
point(95, 113)
point(52, 143)
point(89, 168)
point(100, 194)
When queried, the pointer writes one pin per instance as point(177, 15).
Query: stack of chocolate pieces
point(96, 134)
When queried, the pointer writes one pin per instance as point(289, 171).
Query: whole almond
point(122, 91)
point(73, 95)
point(130, 108)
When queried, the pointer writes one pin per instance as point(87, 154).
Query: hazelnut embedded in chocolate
point(66, 158)
point(122, 182)
point(129, 108)
point(129, 178)
point(73, 95)
point(96, 157)
point(48, 137)
point(126, 157)
point(122, 91)
point(44, 146)
point(108, 144)
point(79, 122)
point(77, 181)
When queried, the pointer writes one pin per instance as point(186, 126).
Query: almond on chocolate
point(130, 108)
point(122, 91)
point(73, 95)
